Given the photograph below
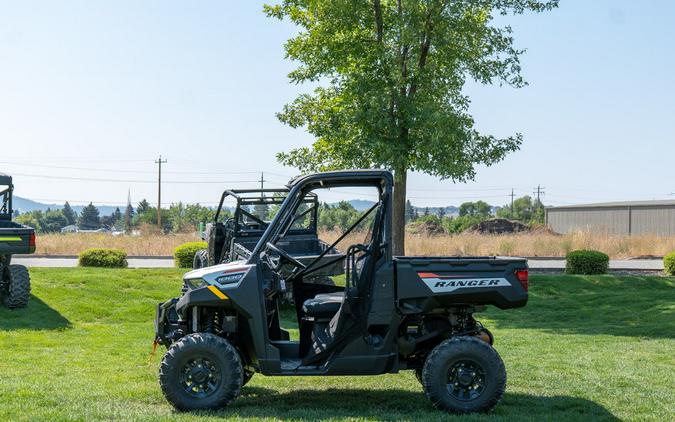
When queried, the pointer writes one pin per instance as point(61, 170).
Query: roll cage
point(301, 187)
point(6, 188)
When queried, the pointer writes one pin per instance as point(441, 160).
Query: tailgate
point(442, 282)
point(16, 238)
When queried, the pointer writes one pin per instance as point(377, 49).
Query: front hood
point(209, 274)
point(201, 272)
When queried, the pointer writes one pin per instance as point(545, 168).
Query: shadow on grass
point(612, 305)
point(394, 405)
point(36, 316)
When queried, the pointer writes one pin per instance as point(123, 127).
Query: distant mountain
point(25, 205)
point(364, 204)
point(449, 211)
point(361, 204)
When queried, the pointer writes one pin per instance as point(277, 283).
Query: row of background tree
point(525, 209)
point(181, 217)
point(529, 211)
point(178, 217)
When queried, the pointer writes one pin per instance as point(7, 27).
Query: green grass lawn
point(585, 348)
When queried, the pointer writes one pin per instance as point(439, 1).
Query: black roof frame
point(6, 208)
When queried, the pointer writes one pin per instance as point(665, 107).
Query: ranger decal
point(445, 284)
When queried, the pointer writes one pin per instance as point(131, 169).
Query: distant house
point(84, 229)
point(69, 229)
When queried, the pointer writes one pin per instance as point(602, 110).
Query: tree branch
point(378, 20)
point(425, 45)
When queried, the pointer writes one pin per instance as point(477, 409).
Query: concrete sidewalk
point(614, 264)
point(66, 262)
point(167, 262)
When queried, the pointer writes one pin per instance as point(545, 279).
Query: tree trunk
point(398, 217)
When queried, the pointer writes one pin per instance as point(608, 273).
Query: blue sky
point(109, 86)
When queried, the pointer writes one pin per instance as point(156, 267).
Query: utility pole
point(262, 184)
point(539, 192)
point(538, 206)
point(159, 191)
point(512, 196)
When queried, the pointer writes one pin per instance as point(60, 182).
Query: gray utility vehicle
point(394, 313)
point(15, 238)
point(233, 238)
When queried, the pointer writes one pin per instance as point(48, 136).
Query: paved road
point(539, 264)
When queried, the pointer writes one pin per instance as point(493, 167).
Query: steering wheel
point(285, 255)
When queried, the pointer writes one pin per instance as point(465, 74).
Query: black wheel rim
point(466, 380)
point(200, 377)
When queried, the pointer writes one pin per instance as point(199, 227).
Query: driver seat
point(323, 306)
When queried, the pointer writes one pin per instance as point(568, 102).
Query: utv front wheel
point(201, 372)
point(17, 287)
point(464, 375)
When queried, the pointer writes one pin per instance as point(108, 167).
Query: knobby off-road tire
point(201, 372)
point(201, 259)
point(464, 375)
point(18, 287)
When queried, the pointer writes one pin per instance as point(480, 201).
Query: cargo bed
point(16, 238)
point(426, 283)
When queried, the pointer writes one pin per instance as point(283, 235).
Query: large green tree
point(475, 209)
point(391, 75)
point(89, 217)
point(69, 213)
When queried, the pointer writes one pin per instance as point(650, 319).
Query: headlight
point(194, 283)
point(229, 278)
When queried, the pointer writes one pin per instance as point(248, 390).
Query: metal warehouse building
point(639, 217)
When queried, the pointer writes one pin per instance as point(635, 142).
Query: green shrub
point(185, 253)
point(587, 262)
point(669, 263)
point(102, 257)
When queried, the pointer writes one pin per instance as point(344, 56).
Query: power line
point(90, 179)
point(72, 201)
point(109, 170)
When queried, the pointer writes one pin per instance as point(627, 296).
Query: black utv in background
point(394, 313)
point(15, 238)
point(232, 238)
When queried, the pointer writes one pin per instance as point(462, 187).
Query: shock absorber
point(213, 322)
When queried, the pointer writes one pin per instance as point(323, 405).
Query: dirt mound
point(498, 226)
point(426, 228)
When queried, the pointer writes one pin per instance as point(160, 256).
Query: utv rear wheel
point(464, 375)
point(201, 259)
point(201, 372)
point(17, 287)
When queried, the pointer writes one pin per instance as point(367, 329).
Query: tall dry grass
point(540, 244)
point(146, 244)
point(532, 244)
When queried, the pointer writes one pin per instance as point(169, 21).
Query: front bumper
point(168, 328)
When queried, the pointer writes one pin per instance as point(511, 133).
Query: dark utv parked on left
point(15, 238)
point(394, 312)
